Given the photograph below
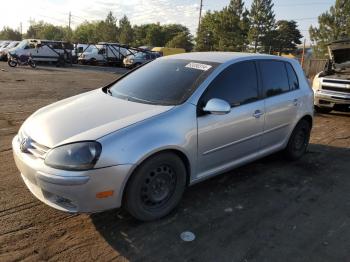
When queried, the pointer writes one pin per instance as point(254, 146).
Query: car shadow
point(345, 113)
point(251, 212)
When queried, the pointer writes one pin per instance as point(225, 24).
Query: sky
point(147, 11)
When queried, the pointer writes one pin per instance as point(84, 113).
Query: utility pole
point(200, 14)
point(69, 20)
point(20, 29)
point(303, 55)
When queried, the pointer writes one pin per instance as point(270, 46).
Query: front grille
point(337, 89)
point(28, 145)
point(336, 81)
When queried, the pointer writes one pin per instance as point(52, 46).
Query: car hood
point(87, 116)
point(340, 53)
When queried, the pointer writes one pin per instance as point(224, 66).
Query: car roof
point(219, 57)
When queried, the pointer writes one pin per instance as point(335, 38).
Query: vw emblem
point(24, 145)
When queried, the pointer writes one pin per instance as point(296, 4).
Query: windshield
point(22, 44)
point(13, 44)
point(4, 45)
point(140, 55)
point(91, 49)
point(163, 81)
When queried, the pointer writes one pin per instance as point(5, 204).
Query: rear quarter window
point(292, 76)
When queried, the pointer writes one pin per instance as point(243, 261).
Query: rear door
point(282, 98)
point(223, 139)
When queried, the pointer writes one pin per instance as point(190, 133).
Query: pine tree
point(333, 25)
point(262, 24)
point(126, 34)
point(224, 30)
point(233, 27)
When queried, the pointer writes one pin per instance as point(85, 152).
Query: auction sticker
point(198, 66)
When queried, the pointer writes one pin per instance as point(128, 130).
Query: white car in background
point(43, 50)
point(4, 50)
point(103, 53)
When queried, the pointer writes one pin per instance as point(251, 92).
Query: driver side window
point(237, 84)
point(101, 51)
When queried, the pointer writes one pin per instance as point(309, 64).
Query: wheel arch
point(184, 158)
point(308, 118)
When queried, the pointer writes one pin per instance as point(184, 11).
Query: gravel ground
point(269, 210)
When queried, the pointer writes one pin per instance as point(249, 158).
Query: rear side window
point(237, 84)
point(293, 79)
point(274, 78)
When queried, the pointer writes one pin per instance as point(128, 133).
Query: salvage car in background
point(332, 86)
point(103, 53)
point(164, 51)
point(139, 58)
point(173, 122)
point(44, 50)
point(4, 50)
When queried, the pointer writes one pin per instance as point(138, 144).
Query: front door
point(223, 139)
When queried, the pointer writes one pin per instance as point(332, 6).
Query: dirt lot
point(270, 210)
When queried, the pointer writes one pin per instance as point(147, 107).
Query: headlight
point(316, 84)
point(75, 156)
point(131, 60)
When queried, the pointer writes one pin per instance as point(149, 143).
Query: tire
point(12, 63)
point(298, 141)
point(323, 110)
point(156, 187)
point(92, 61)
point(32, 64)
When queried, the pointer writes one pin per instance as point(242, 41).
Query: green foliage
point(9, 34)
point(181, 40)
point(85, 33)
point(109, 30)
point(262, 25)
point(155, 35)
point(333, 25)
point(208, 35)
point(126, 34)
point(286, 37)
point(48, 31)
point(224, 30)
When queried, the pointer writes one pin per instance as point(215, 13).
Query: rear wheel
point(299, 140)
point(323, 110)
point(156, 187)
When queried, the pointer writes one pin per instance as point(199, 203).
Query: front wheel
point(32, 64)
point(156, 187)
point(12, 63)
point(299, 140)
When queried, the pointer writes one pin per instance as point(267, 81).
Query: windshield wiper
point(135, 99)
point(131, 98)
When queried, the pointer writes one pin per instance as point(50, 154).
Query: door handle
point(257, 113)
point(295, 102)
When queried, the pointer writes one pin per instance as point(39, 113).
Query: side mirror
point(217, 106)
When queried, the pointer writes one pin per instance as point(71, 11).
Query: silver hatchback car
point(141, 140)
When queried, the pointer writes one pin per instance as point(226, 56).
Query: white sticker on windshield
point(198, 66)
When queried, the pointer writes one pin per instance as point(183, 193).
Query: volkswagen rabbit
point(140, 141)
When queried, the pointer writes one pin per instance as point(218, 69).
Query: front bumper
point(325, 98)
point(72, 191)
point(128, 63)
